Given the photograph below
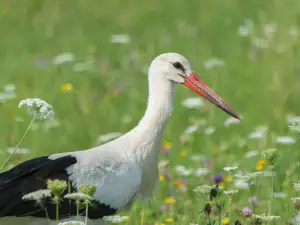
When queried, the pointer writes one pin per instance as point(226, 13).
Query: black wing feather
point(32, 175)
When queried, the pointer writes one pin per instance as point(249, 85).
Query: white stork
point(121, 170)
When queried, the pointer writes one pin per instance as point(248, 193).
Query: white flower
point(230, 192)
point(285, 140)
point(293, 119)
point(295, 127)
point(183, 171)
point(296, 186)
point(51, 124)
point(294, 32)
point(203, 189)
point(4, 96)
point(115, 219)
point(201, 172)
point(120, 38)
point(9, 88)
point(244, 31)
point(191, 129)
point(247, 176)
point(279, 195)
point(193, 103)
point(38, 108)
point(251, 154)
point(241, 184)
point(269, 30)
point(209, 130)
point(72, 222)
point(266, 218)
point(260, 43)
point(37, 195)
point(296, 199)
point(63, 58)
point(230, 168)
point(19, 151)
point(258, 133)
point(108, 137)
point(78, 196)
point(213, 62)
point(230, 120)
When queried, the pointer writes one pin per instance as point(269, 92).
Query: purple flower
point(247, 212)
point(217, 178)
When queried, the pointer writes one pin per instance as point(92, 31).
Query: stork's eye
point(178, 65)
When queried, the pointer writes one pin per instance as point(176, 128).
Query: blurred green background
point(103, 87)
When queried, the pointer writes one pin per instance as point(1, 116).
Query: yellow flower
point(183, 153)
point(169, 220)
point(66, 87)
point(161, 178)
point(179, 184)
point(228, 179)
point(225, 221)
point(259, 167)
point(261, 162)
point(168, 145)
point(222, 185)
point(162, 224)
point(170, 200)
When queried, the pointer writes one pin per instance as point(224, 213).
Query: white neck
point(159, 108)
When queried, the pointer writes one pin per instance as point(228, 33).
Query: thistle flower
point(38, 108)
point(72, 222)
point(247, 212)
point(37, 195)
point(217, 178)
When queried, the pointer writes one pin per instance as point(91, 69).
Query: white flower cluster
point(38, 108)
point(115, 219)
point(72, 222)
point(37, 195)
point(265, 218)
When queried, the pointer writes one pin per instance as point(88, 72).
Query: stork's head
point(175, 68)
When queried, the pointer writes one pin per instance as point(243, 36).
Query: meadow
point(89, 60)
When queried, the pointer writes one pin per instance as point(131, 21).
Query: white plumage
point(126, 168)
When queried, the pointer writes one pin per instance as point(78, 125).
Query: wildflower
point(167, 145)
point(63, 58)
point(169, 220)
point(72, 222)
point(57, 187)
point(296, 186)
point(170, 200)
point(295, 127)
point(228, 179)
point(19, 151)
point(161, 178)
point(231, 192)
point(191, 129)
point(209, 130)
point(66, 87)
point(203, 189)
point(183, 171)
point(9, 88)
point(296, 199)
point(270, 155)
point(213, 62)
point(265, 218)
point(164, 207)
point(183, 153)
point(89, 190)
point(193, 103)
point(269, 30)
point(38, 108)
point(108, 137)
point(181, 185)
point(201, 172)
point(285, 140)
point(225, 221)
point(241, 184)
point(258, 133)
point(222, 185)
point(115, 219)
point(230, 168)
point(230, 120)
point(217, 178)
point(247, 212)
point(37, 195)
point(251, 154)
point(261, 162)
point(259, 167)
point(120, 39)
point(78, 196)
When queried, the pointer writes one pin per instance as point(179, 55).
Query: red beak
point(197, 85)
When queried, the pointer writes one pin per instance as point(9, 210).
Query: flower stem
point(86, 212)
point(20, 142)
point(57, 210)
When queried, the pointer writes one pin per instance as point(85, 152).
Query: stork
point(122, 170)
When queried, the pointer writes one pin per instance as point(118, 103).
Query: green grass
point(264, 89)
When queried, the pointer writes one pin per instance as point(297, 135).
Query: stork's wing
point(117, 179)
